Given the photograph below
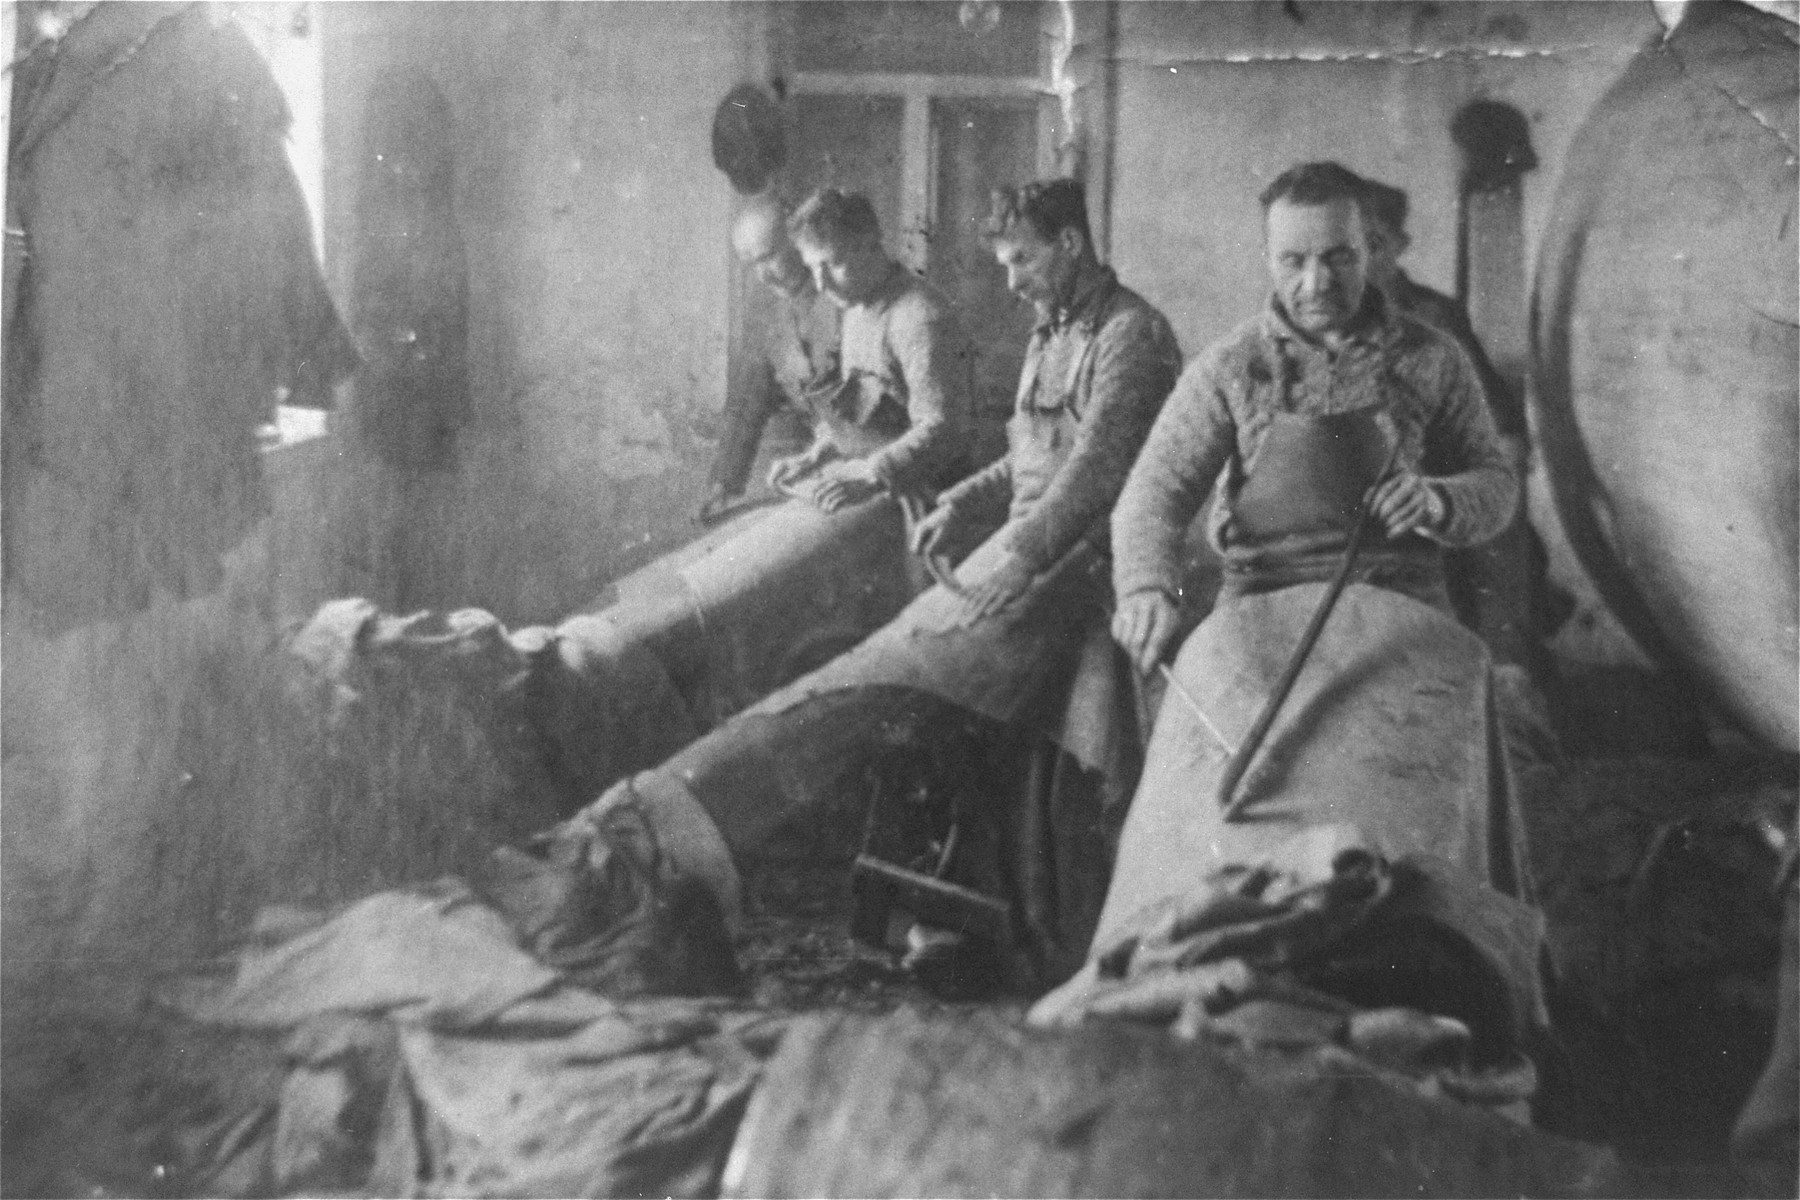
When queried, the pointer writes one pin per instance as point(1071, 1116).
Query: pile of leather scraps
point(429, 1053)
point(1330, 947)
point(602, 899)
point(566, 710)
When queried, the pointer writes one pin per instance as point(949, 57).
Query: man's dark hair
point(1315, 183)
point(830, 217)
point(1049, 206)
point(1385, 205)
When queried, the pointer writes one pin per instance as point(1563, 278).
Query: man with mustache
point(1329, 714)
point(1328, 345)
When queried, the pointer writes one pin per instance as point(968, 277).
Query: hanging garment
point(167, 299)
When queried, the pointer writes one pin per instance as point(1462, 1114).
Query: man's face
point(1318, 260)
point(847, 274)
point(783, 270)
point(1039, 270)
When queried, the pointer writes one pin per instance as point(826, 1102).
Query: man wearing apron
point(1327, 364)
point(1100, 363)
point(894, 421)
point(1330, 705)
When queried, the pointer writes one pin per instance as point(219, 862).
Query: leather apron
point(1309, 476)
point(1307, 484)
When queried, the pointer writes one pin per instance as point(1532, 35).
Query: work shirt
point(795, 340)
point(1096, 372)
point(1446, 315)
point(1416, 383)
point(908, 385)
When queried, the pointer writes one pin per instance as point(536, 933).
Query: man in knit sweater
point(895, 421)
point(1327, 346)
point(1383, 747)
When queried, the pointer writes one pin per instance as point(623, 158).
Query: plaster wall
point(1216, 99)
point(598, 286)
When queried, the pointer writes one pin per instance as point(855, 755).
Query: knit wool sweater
point(1420, 385)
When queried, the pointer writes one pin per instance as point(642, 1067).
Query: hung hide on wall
point(166, 298)
point(409, 306)
point(162, 298)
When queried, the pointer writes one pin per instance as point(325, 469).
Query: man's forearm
point(985, 495)
point(1187, 448)
point(1147, 531)
point(933, 359)
point(1470, 466)
point(746, 416)
point(1154, 510)
point(1133, 375)
point(917, 456)
point(1482, 503)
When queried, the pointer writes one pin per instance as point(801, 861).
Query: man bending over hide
point(895, 420)
point(795, 332)
point(1337, 432)
point(1100, 362)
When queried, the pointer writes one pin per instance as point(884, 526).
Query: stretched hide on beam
point(762, 599)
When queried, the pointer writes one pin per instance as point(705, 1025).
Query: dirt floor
point(1656, 874)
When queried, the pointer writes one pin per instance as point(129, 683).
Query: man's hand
point(937, 525)
point(998, 590)
point(785, 471)
point(1405, 503)
point(1143, 624)
point(844, 483)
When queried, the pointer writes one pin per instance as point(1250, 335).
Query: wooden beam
point(891, 83)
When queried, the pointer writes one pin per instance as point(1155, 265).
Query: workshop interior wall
point(598, 281)
point(1214, 100)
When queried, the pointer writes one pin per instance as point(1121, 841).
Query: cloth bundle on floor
point(430, 1054)
point(1403, 964)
